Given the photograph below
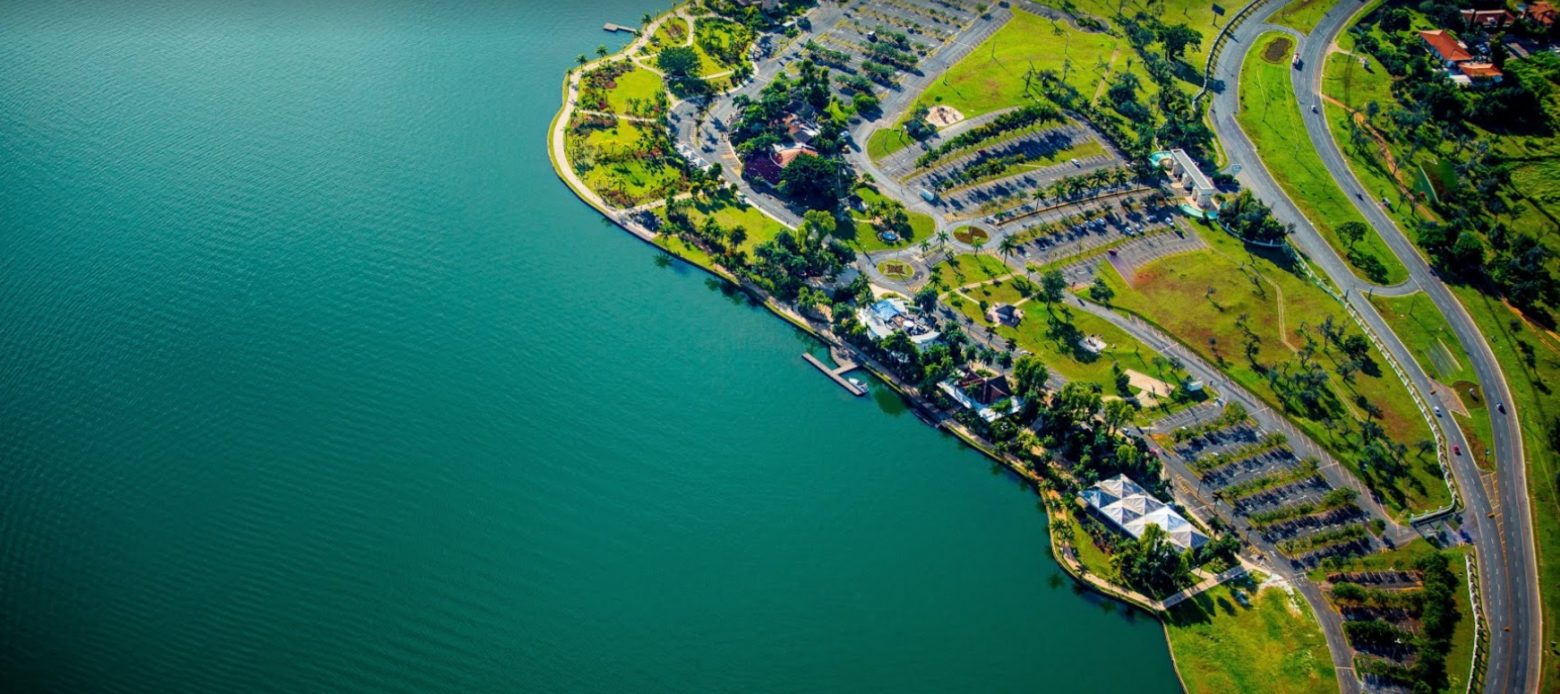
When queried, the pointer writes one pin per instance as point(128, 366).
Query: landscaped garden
point(971, 235)
point(896, 270)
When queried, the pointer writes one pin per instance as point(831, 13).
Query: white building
point(1127, 506)
point(1189, 177)
point(890, 316)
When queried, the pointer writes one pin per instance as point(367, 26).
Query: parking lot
point(848, 40)
point(1280, 496)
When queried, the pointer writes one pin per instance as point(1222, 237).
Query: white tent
point(1130, 508)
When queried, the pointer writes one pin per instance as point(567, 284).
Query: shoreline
point(559, 159)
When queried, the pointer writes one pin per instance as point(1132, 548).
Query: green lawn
point(1200, 298)
point(1345, 79)
point(1427, 335)
point(637, 180)
point(1538, 406)
point(969, 268)
point(619, 138)
point(1197, 14)
point(724, 32)
point(639, 83)
point(1272, 118)
point(731, 214)
point(1275, 645)
point(1089, 555)
point(991, 77)
point(1302, 15)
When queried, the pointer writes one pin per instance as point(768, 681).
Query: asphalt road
point(1508, 567)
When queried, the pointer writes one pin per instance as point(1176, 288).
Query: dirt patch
point(943, 116)
point(1452, 396)
point(1152, 388)
point(969, 235)
point(1277, 50)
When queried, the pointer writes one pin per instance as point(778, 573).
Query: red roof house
point(1480, 71)
point(1447, 46)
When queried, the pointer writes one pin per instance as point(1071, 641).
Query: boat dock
point(837, 374)
point(609, 26)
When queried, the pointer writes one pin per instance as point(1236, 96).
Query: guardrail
point(1476, 665)
point(1218, 45)
point(1441, 457)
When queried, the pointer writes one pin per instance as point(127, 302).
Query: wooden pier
point(836, 374)
point(609, 26)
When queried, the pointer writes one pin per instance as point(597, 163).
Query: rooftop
point(1447, 46)
point(1130, 508)
point(1480, 71)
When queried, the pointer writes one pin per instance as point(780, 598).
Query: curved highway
point(1511, 576)
point(1508, 569)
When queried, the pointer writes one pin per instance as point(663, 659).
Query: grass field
point(723, 32)
point(616, 139)
point(991, 77)
point(1200, 15)
point(635, 178)
point(968, 268)
point(1201, 297)
point(1538, 405)
point(638, 83)
point(731, 214)
point(1302, 15)
point(1429, 338)
point(1272, 118)
point(1274, 645)
point(1345, 79)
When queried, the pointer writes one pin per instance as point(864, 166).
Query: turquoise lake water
point(313, 377)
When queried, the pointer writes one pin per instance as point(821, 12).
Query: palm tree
point(601, 51)
point(582, 59)
point(1008, 246)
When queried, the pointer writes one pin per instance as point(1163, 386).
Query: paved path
point(1509, 571)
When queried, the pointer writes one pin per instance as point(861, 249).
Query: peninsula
point(1155, 259)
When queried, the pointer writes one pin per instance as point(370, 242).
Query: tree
point(812, 180)
point(1008, 246)
point(1352, 232)
point(1053, 286)
point(1117, 412)
point(1029, 376)
point(601, 51)
point(677, 61)
point(926, 298)
point(1177, 38)
point(1101, 292)
point(1152, 565)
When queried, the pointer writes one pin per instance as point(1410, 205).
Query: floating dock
point(609, 26)
point(836, 374)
